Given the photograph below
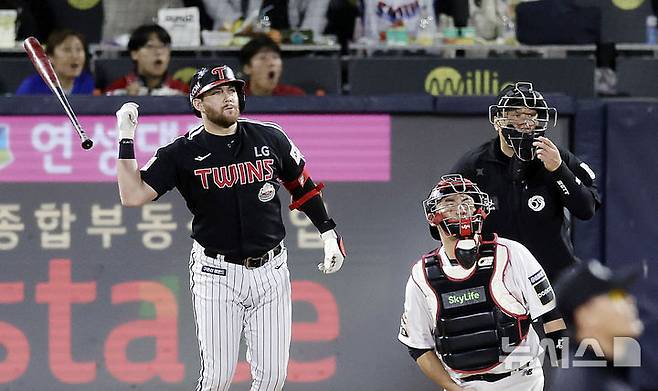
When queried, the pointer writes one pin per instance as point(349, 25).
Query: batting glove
point(334, 252)
point(127, 120)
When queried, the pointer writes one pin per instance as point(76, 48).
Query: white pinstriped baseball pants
point(229, 299)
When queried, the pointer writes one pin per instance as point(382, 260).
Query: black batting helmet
point(210, 77)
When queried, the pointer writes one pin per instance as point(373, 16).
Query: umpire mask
point(522, 115)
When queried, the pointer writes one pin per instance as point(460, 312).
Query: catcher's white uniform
point(525, 280)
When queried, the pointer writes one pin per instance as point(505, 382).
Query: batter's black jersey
point(230, 184)
point(530, 200)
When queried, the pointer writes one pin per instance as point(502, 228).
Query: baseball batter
point(469, 303)
point(228, 170)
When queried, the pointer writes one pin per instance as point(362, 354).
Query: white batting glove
point(334, 252)
point(127, 120)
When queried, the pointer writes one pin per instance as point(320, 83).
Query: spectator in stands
point(150, 51)
point(341, 21)
point(403, 16)
point(26, 22)
point(122, 17)
point(283, 14)
point(67, 51)
point(261, 62)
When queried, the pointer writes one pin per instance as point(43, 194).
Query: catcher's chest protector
point(478, 321)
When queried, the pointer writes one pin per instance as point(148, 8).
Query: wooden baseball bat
point(45, 69)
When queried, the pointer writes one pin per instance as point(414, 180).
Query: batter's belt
point(249, 262)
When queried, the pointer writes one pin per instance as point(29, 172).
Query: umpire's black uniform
point(529, 200)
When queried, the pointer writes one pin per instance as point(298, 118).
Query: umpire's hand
point(334, 252)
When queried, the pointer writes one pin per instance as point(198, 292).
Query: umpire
point(531, 180)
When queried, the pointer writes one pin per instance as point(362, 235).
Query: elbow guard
point(296, 204)
point(302, 189)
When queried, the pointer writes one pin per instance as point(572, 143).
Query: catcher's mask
point(458, 207)
point(207, 78)
point(523, 115)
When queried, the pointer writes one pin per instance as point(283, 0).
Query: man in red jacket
point(150, 50)
point(261, 61)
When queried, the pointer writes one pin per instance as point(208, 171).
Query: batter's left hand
point(548, 153)
point(334, 252)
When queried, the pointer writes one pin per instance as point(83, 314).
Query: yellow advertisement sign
point(447, 81)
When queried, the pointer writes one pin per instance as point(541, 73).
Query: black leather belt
point(493, 377)
point(489, 377)
point(249, 262)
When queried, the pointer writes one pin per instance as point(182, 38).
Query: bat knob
point(87, 144)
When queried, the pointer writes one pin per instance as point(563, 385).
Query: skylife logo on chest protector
point(463, 297)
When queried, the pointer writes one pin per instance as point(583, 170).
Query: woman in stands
point(67, 52)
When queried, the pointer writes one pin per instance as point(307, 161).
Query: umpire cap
point(586, 280)
point(209, 77)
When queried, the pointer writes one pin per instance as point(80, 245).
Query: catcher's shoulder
point(418, 267)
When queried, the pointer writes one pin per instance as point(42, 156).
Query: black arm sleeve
point(313, 208)
point(556, 337)
point(416, 353)
point(575, 183)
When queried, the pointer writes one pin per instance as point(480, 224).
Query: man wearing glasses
point(150, 51)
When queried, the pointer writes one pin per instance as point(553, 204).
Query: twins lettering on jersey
point(239, 173)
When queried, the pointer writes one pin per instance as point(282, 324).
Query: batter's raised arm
point(132, 189)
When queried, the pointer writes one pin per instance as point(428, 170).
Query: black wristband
point(126, 149)
point(326, 225)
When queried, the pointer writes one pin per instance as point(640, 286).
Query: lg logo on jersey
point(263, 151)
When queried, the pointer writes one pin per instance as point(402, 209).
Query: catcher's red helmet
point(470, 212)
